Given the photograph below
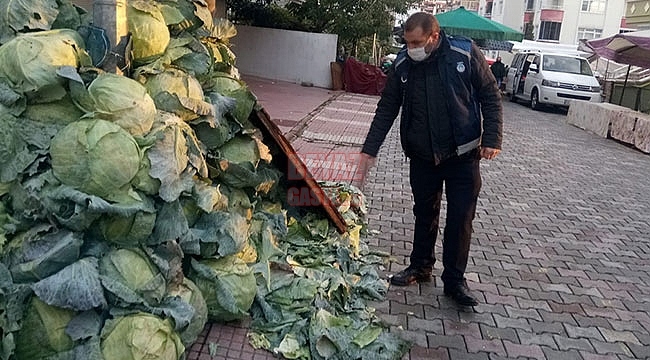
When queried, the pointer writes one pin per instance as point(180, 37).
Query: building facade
point(637, 14)
point(559, 21)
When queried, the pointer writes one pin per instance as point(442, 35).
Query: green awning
point(470, 24)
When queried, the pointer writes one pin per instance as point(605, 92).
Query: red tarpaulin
point(363, 78)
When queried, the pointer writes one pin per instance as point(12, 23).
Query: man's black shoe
point(411, 275)
point(461, 295)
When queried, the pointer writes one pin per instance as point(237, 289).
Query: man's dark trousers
point(462, 179)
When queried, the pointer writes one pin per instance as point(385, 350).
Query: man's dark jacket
point(470, 90)
point(498, 70)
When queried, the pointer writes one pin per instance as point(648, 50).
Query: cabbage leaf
point(25, 15)
point(76, 287)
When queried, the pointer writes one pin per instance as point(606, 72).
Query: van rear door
point(513, 71)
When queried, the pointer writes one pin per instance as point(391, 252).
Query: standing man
point(498, 70)
point(442, 85)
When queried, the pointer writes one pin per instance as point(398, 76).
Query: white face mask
point(418, 54)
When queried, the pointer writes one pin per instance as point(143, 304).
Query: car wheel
point(534, 100)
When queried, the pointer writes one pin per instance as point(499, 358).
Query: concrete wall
point(292, 56)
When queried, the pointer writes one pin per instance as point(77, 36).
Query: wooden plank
point(295, 169)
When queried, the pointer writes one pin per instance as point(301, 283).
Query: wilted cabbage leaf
point(76, 287)
point(15, 156)
point(25, 15)
point(176, 157)
point(140, 336)
point(184, 52)
point(23, 145)
point(227, 284)
point(196, 16)
point(223, 30)
point(292, 348)
point(189, 292)
point(60, 112)
point(221, 233)
point(40, 252)
point(84, 325)
point(96, 157)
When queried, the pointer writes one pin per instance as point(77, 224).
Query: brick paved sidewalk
point(560, 256)
point(560, 249)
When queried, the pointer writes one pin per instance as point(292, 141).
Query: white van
point(551, 78)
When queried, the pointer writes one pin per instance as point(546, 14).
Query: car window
point(566, 64)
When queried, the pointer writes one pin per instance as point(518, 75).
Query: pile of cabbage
point(134, 209)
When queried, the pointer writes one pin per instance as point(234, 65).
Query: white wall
point(285, 55)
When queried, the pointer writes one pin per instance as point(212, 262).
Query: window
point(585, 33)
point(567, 64)
point(554, 4)
point(530, 5)
point(488, 8)
point(594, 6)
point(549, 30)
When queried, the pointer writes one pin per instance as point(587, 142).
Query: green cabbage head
point(190, 293)
point(43, 332)
point(96, 157)
point(30, 61)
point(127, 231)
point(123, 101)
point(140, 336)
point(149, 30)
point(178, 92)
point(228, 286)
point(133, 269)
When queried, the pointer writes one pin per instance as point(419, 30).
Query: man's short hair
point(426, 21)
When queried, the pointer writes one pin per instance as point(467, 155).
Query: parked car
point(551, 78)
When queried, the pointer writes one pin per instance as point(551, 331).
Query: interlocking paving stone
point(530, 338)
point(561, 355)
point(529, 351)
point(560, 250)
point(424, 353)
point(603, 347)
point(475, 345)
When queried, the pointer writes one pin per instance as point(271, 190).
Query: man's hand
point(365, 163)
point(489, 153)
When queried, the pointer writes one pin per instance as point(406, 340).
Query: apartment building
point(637, 14)
point(559, 21)
point(507, 12)
point(439, 6)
